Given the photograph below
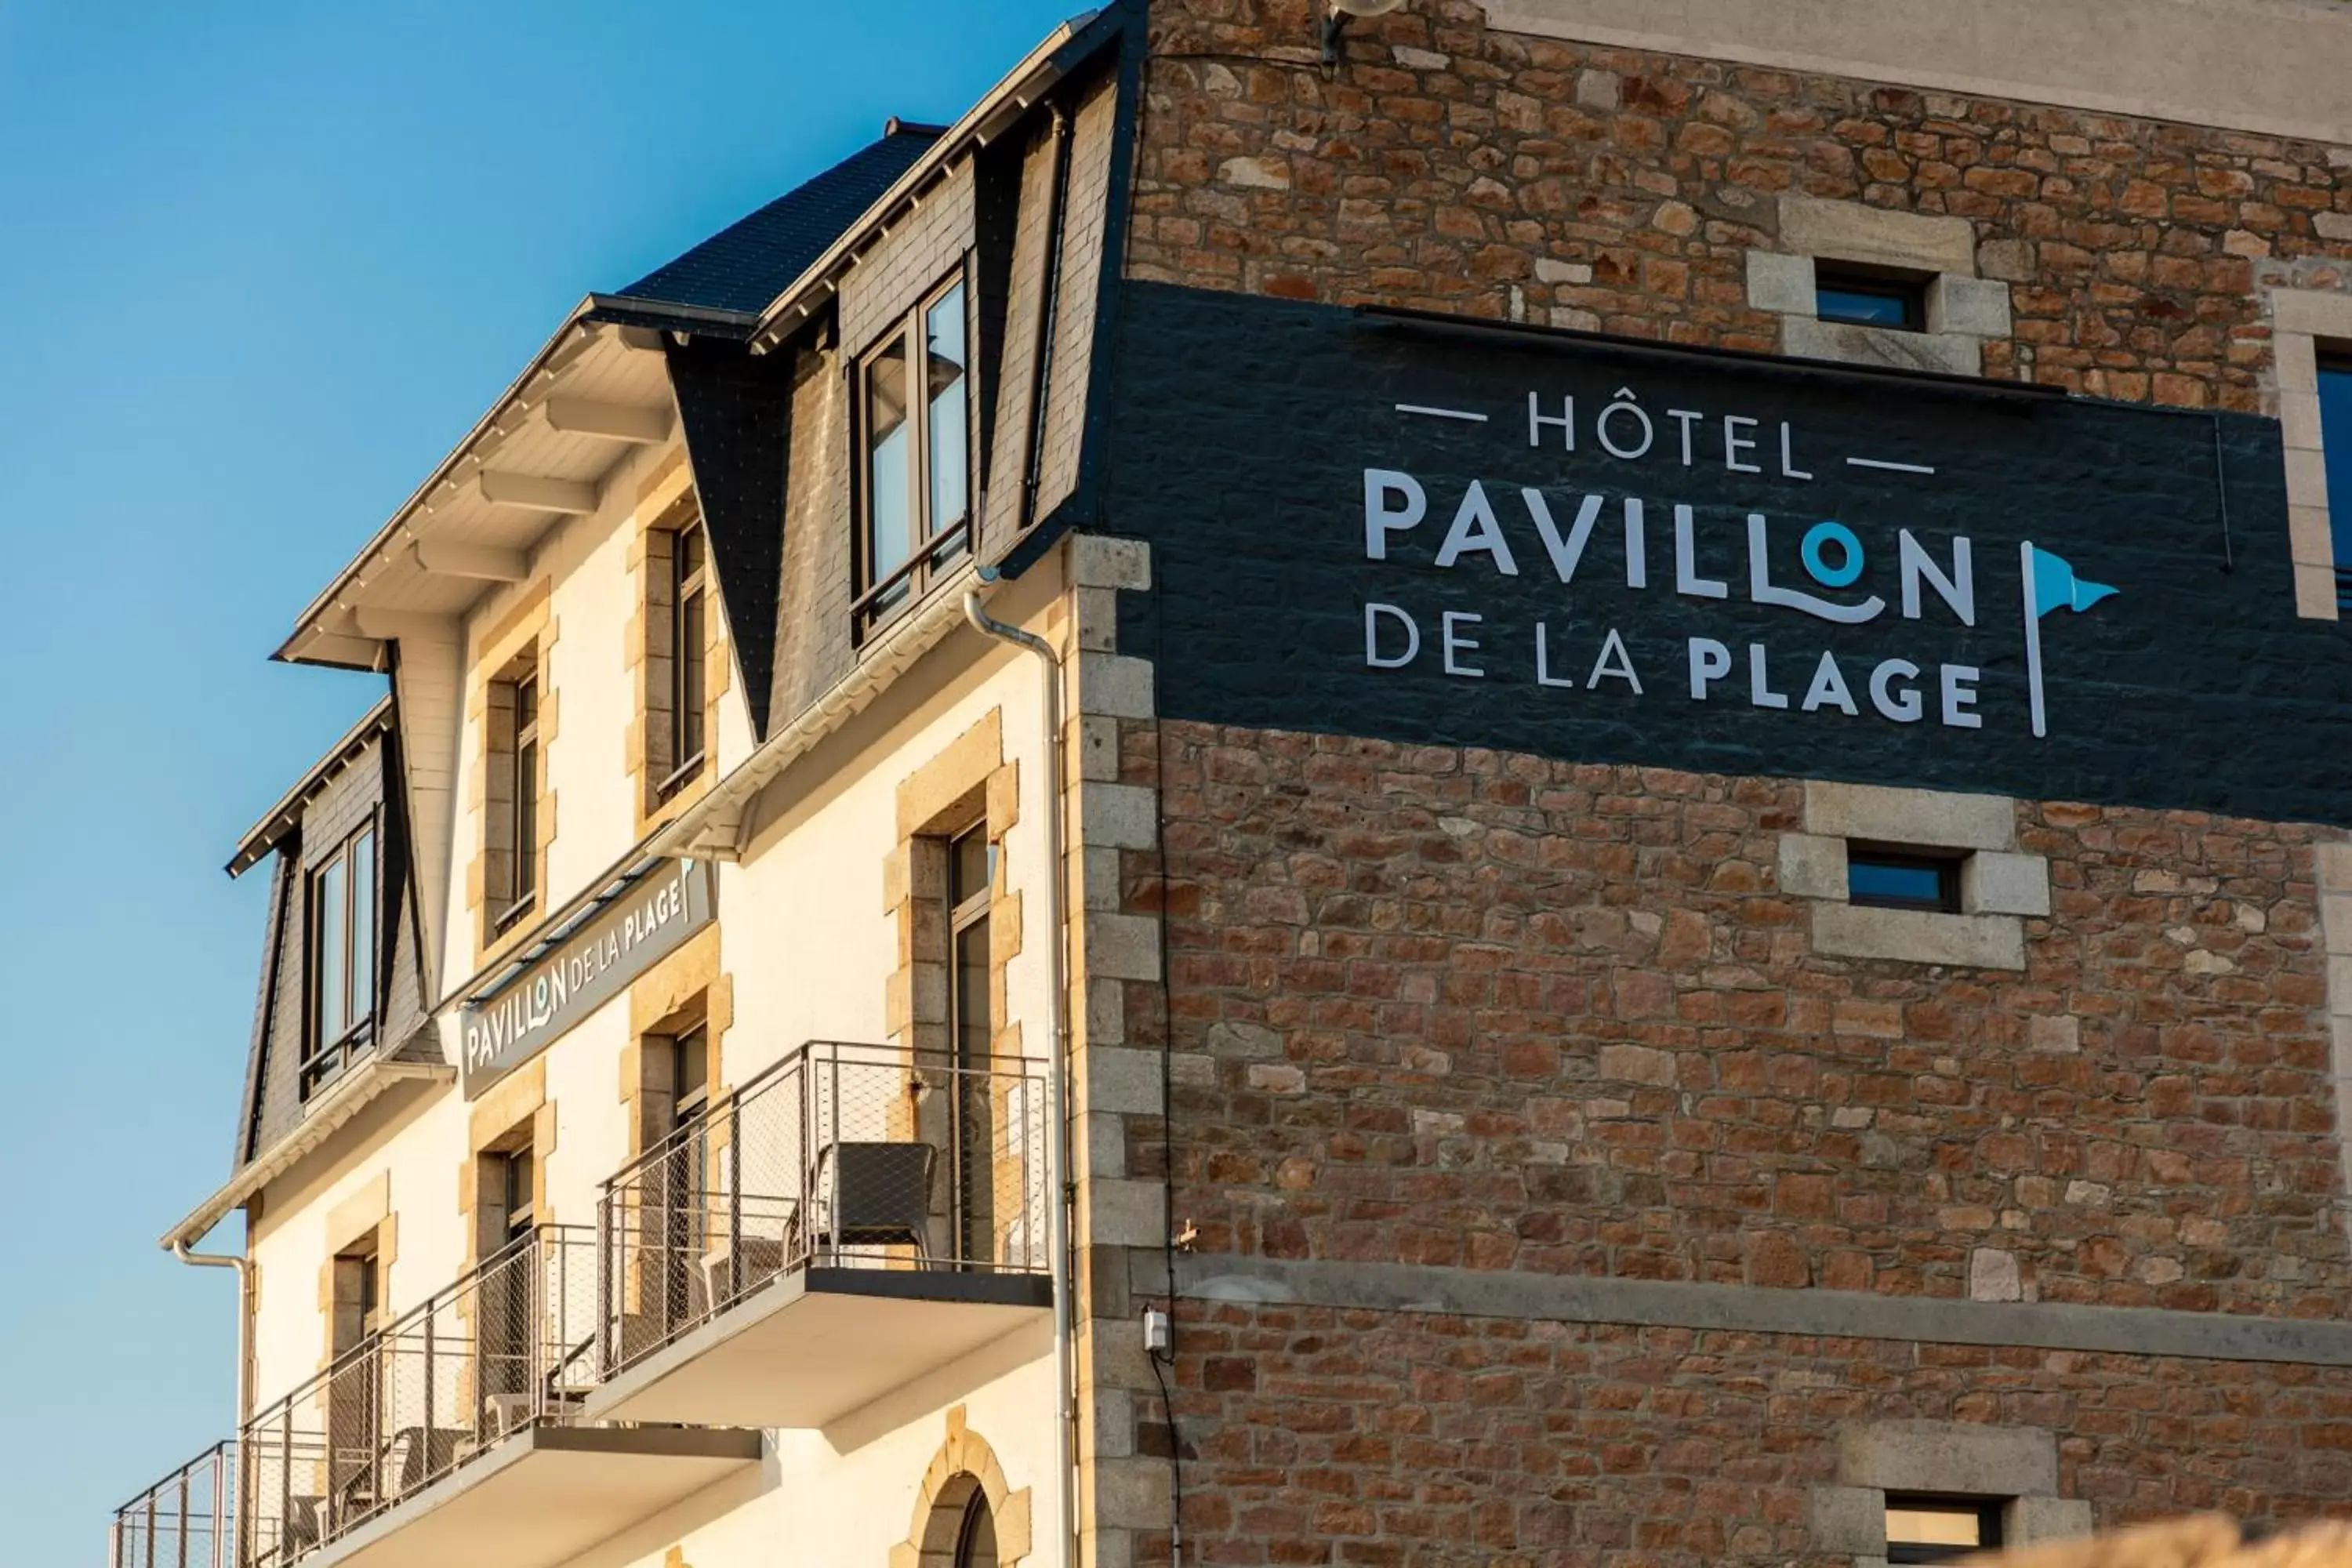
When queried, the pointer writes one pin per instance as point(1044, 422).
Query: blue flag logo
point(2050, 584)
point(2056, 587)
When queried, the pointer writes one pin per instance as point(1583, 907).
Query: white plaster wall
point(807, 935)
point(847, 1494)
point(423, 1157)
point(593, 605)
point(291, 1244)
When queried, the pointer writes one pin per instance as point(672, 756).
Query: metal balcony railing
point(184, 1520)
point(512, 1345)
point(842, 1156)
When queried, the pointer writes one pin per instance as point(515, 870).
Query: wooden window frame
point(970, 1152)
point(931, 546)
point(688, 722)
point(524, 758)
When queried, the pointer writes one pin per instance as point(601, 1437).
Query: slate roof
point(745, 265)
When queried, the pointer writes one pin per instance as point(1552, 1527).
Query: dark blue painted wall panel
point(1245, 427)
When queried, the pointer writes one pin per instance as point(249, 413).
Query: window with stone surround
point(960, 927)
point(1872, 284)
point(1914, 1491)
point(2311, 351)
point(1920, 875)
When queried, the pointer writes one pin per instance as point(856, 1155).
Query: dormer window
point(342, 960)
point(914, 433)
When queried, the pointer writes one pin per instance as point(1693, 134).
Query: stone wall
point(1322, 1436)
point(1475, 1009)
point(1454, 1024)
point(1456, 167)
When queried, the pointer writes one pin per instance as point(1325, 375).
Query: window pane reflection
point(944, 347)
point(362, 987)
point(888, 529)
point(332, 934)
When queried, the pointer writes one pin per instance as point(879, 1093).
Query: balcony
point(183, 1521)
point(849, 1220)
point(459, 1434)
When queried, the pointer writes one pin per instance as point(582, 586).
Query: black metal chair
point(298, 1531)
point(875, 1194)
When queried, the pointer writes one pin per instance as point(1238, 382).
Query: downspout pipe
point(232, 1528)
point(244, 1314)
point(1061, 1182)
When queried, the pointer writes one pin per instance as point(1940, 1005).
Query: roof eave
point(306, 625)
point(337, 1111)
point(266, 835)
point(632, 311)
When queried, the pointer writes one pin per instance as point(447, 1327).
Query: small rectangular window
point(1891, 879)
point(914, 409)
point(1868, 299)
point(2335, 451)
point(342, 959)
point(1938, 1530)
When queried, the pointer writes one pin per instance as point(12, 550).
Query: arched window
point(960, 1532)
point(975, 1544)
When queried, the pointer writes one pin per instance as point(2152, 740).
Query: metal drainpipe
point(244, 1351)
point(1066, 1409)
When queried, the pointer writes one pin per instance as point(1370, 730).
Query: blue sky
point(269, 261)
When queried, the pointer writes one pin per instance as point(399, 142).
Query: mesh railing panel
point(839, 1156)
point(512, 1344)
point(183, 1521)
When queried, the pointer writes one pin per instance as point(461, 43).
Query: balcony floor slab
point(818, 1344)
point(542, 1497)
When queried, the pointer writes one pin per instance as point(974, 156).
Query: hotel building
point(1576, 796)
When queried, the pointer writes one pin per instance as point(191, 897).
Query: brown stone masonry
point(1490, 1011)
point(1455, 167)
point(1320, 1436)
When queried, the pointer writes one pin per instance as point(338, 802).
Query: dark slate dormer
point(354, 791)
point(763, 326)
point(734, 408)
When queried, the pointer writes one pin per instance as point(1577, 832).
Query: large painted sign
point(1938, 575)
point(1724, 563)
point(503, 1026)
